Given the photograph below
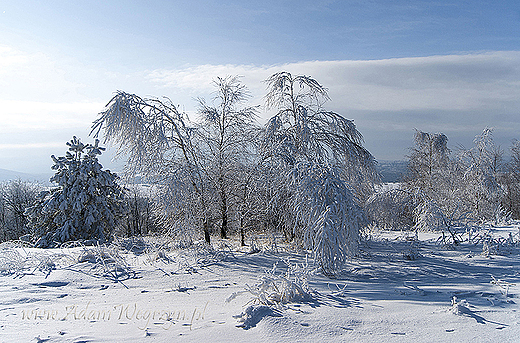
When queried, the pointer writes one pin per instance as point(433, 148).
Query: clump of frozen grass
point(106, 262)
point(277, 289)
point(11, 261)
point(272, 292)
point(136, 245)
point(459, 307)
point(502, 285)
point(16, 260)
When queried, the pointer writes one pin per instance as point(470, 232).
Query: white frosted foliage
point(86, 203)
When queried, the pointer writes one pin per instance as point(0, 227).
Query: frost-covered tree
point(226, 136)
point(320, 165)
point(428, 161)
point(197, 164)
point(453, 192)
point(86, 203)
point(510, 180)
point(434, 182)
point(15, 197)
point(158, 142)
point(483, 166)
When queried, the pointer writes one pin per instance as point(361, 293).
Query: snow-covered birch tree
point(483, 164)
point(435, 183)
point(226, 135)
point(316, 153)
point(158, 142)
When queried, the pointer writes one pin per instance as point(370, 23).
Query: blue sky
point(392, 66)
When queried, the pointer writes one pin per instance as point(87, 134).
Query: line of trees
point(446, 190)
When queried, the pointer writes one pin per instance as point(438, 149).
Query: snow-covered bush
point(86, 203)
point(325, 210)
point(15, 260)
point(11, 261)
point(392, 209)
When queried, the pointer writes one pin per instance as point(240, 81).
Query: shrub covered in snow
point(392, 209)
point(85, 205)
point(276, 289)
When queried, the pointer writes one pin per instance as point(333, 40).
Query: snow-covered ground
point(162, 294)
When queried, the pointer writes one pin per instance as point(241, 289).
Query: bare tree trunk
point(224, 227)
point(206, 232)
point(242, 232)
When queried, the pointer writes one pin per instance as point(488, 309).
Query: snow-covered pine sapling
point(86, 203)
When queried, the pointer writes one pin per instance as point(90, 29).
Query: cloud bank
point(453, 82)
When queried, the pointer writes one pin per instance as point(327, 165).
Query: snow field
point(150, 290)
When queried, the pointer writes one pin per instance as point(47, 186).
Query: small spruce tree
point(86, 204)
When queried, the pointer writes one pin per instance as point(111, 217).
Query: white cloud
point(455, 94)
point(10, 57)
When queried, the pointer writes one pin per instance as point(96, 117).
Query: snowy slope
point(168, 295)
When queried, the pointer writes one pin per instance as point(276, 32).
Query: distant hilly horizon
point(7, 175)
point(391, 171)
